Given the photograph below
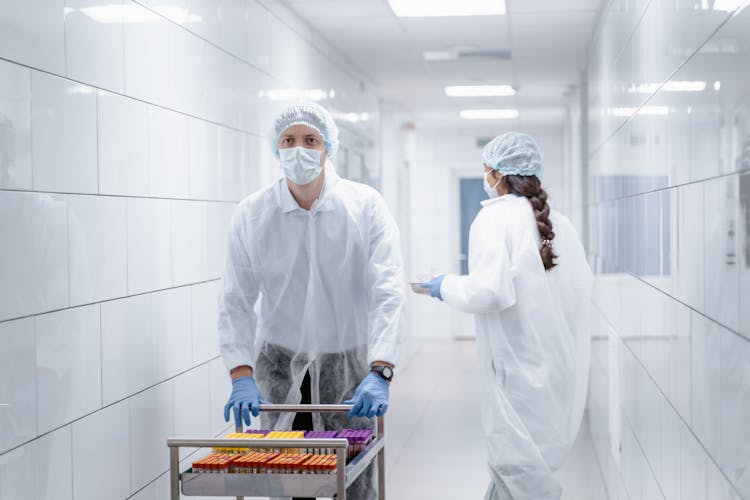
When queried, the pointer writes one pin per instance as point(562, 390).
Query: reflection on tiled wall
point(670, 242)
point(128, 132)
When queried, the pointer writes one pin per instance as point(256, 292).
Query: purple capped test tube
point(257, 431)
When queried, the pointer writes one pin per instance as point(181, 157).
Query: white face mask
point(490, 190)
point(300, 165)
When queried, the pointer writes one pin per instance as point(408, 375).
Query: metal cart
point(280, 485)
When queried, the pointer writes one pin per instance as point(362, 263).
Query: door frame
point(462, 324)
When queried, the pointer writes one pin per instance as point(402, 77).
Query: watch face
point(387, 372)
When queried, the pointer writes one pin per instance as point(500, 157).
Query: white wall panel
point(149, 239)
point(127, 347)
point(15, 126)
point(98, 249)
point(68, 366)
point(147, 56)
point(152, 422)
point(34, 267)
point(168, 154)
point(131, 135)
point(101, 454)
point(94, 42)
point(123, 141)
point(684, 148)
point(17, 383)
point(33, 34)
point(63, 129)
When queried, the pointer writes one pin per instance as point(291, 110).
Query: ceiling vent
point(466, 55)
point(496, 55)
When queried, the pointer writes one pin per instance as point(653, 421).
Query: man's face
point(304, 136)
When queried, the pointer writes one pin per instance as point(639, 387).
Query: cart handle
point(306, 408)
point(256, 443)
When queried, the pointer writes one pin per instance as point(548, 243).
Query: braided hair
point(530, 187)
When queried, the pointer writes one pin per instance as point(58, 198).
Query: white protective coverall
point(329, 289)
point(533, 343)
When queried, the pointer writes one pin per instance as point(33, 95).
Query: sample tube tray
point(238, 485)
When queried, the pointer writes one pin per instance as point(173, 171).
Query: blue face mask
point(300, 165)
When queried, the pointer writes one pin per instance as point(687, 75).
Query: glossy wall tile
point(123, 142)
point(63, 133)
point(129, 130)
point(669, 118)
point(34, 34)
point(98, 248)
point(18, 382)
point(101, 452)
point(94, 42)
point(68, 366)
point(33, 277)
point(15, 126)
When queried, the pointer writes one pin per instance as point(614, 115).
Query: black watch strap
point(384, 371)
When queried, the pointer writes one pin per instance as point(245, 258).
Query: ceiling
point(547, 40)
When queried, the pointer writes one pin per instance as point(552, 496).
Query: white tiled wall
point(669, 219)
point(128, 132)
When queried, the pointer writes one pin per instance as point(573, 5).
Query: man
point(323, 255)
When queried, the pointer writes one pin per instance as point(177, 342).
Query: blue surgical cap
point(312, 115)
point(513, 153)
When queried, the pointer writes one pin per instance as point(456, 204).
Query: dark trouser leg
point(340, 374)
point(303, 421)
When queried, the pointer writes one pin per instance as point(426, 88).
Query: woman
point(529, 288)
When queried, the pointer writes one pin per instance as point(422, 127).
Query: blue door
point(472, 193)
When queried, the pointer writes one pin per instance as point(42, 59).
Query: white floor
point(437, 395)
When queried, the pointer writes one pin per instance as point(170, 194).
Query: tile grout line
point(127, 196)
point(122, 400)
point(691, 308)
point(667, 399)
point(257, 135)
point(669, 76)
point(211, 280)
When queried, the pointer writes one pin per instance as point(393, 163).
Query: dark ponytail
point(530, 187)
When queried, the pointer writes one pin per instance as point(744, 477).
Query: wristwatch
point(383, 371)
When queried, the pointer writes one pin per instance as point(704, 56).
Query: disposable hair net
point(513, 153)
point(312, 115)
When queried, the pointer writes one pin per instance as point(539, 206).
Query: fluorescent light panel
point(671, 86)
point(479, 90)
point(489, 114)
point(645, 110)
point(351, 117)
point(297, 94)
point(447, 8)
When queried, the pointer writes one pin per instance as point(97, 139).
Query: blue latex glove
point(245, 399)
point(370, 398)
point(434, 286)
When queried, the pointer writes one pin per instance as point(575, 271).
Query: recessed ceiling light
point(671, 86)
point(489, 114)
point(479, 90)
point(296, 94)
point(440, 55)
point(644, 110)
point(447, 8)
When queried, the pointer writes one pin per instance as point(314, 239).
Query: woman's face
point(493, 176)
point(304, 136)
